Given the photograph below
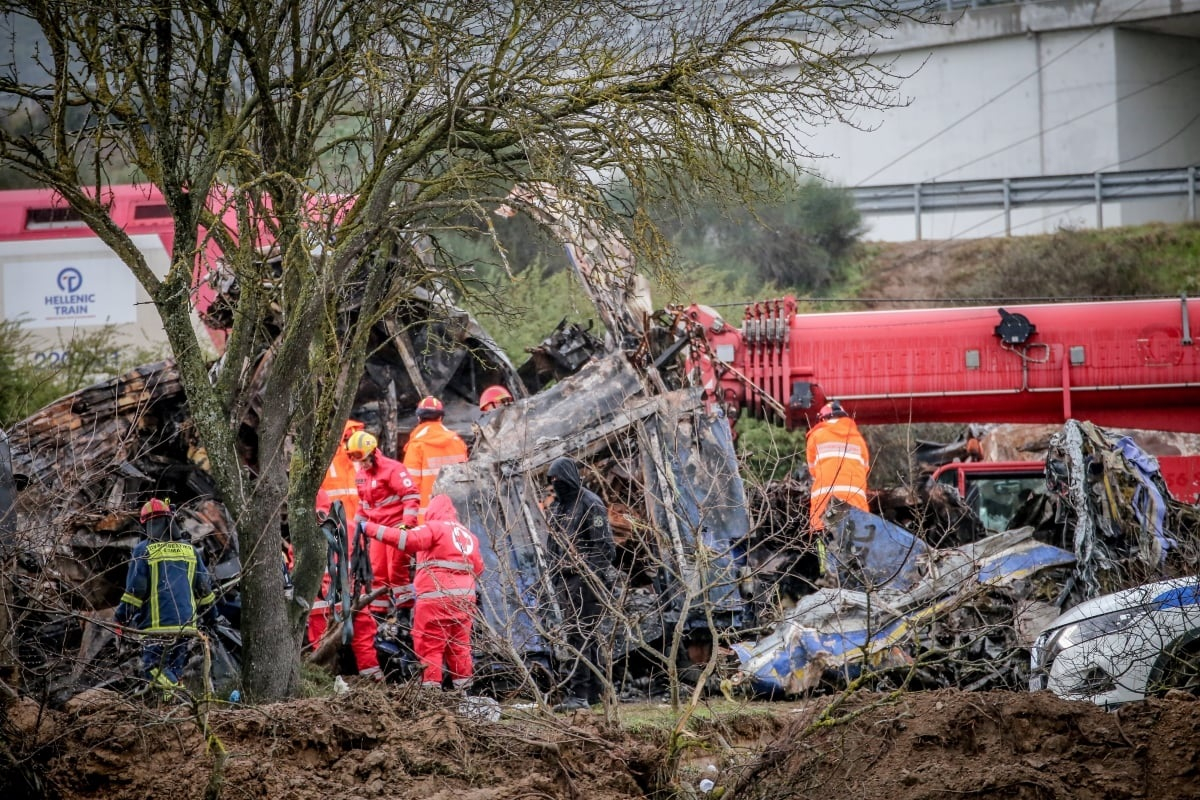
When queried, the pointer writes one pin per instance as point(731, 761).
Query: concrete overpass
point(1015, 89)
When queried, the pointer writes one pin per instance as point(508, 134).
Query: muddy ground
point(953, 744)
point(404, 743)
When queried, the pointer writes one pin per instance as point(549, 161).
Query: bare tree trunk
point(270, 658)
point(8, 529)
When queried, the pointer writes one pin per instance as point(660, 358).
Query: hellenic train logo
point(69, 280)
point(72, 303)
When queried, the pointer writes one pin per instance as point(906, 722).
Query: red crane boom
point(1126, 364)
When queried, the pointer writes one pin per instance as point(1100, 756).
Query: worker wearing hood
point(447, 563)
point(582, 553)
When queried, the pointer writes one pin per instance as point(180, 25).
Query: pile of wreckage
point(697, 580)
point(921, 594)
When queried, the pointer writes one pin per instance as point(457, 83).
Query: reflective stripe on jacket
point(839, 463)
point(166, 583)
point(339, 481)
point(431, 446)
point(387, 493)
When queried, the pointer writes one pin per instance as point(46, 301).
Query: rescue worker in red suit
point(431, 446)
point(387, 495)
point(838, 462)
point(447, 563)
point(362, 641)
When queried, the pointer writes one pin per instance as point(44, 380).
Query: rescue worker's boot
point(572, 703)
point(166, 685)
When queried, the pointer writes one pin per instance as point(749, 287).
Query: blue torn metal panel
point(841, 631)
point(871, 553)
point(708, 510)
point(1021, 562)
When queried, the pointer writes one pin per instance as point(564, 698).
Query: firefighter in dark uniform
point(582, 552)
point(167, 584)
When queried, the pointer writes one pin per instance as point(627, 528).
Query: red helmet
point(493, 397)
point(830, 410)
point(155, 508)
point(430, 408)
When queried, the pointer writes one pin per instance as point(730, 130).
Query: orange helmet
point(430, 408)
point(155, 507)
point(830, 410)
point(351, 427)
point(493, 397)
point(361, 445)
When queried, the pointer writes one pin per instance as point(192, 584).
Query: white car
point(1124, 646)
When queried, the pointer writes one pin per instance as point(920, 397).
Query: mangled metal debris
point(949, 604)
point(901, 611)
point(941, 617)
point(668, 471)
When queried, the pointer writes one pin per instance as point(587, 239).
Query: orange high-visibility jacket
point(838, 462)
point(430, 447)
point(339, 478)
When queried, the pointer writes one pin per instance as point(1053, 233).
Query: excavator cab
point(995, 491)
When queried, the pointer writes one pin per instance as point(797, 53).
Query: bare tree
point(259, 120)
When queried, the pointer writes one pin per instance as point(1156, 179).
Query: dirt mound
point(998, 744)
point(374, 742)
point(403, 743)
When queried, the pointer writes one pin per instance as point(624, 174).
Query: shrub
point(27, 384)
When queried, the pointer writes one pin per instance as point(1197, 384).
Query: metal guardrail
point(1006, 194)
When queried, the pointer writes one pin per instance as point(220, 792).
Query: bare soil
point(952, 744)
point(373, 742)
point(402, 743)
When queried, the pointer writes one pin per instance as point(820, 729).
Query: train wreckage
point(710, 575)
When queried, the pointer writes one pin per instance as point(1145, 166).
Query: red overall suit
point(362, 642)
point(431, 446)
point(838, 462)
point(388, 496)
point(447, 563)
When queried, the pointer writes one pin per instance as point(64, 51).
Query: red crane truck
point(1126, 364)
